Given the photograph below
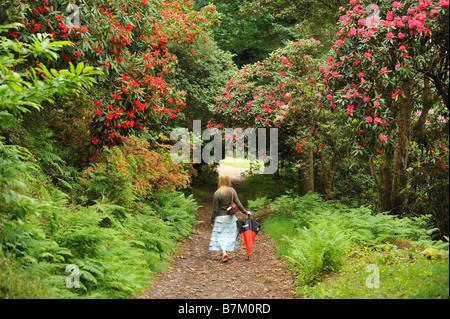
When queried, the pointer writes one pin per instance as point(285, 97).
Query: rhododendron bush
point(276, 93)
point(130, 41)
point(132, 171)
point(390, 62)
point(282, 92)
point(261, 94)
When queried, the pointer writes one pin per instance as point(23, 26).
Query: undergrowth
point(321, 238)
point(54, 247)
point(115, 249)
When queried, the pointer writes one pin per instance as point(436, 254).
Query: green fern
point(318, 250)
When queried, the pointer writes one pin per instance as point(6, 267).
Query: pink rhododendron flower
point(443, 3)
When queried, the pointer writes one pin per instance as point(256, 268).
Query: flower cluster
point(262, 94)
point(145, 171)
point(130, 42)
point(378, 49)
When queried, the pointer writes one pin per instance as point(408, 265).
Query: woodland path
point(196, 273)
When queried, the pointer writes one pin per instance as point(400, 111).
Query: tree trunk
point(401, 150)
point(306, 173)
point(386, 184)
point(327, 175)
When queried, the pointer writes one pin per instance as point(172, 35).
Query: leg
point(224, 256)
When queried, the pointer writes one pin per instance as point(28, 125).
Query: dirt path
point(196, 272)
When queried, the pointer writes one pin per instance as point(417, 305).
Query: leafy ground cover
point(116, 250)
point(400, 277)
point(337, 250)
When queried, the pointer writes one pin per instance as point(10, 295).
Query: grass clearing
point(236, 162)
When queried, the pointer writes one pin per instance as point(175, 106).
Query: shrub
point(116, 250)
point(177, 211)
point(134, 43)
point(317, 250)
point(315, 235)
point(259, 185)
point(258, 203)
point(132, 171)
point(16, 283)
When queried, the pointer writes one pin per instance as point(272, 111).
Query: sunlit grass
point(399, 278)
point(236, 162)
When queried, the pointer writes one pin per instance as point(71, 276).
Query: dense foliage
point(132, 172)
point(318, 237)
point(371, 120)
point(67, 203)
point(133, 43)
point(90, 91)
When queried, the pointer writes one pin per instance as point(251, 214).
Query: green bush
point(16, 283)
point(258, 203)
point(116, 250)
point(259, 185)
point(316, 236)
point(132, 172)
point(317, 250)
point(177, 211)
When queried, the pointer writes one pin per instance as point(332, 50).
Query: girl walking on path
point(224, 234)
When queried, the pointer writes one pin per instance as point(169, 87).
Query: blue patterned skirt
point(224, 235)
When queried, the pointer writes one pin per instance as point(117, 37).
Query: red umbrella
point(248, 231)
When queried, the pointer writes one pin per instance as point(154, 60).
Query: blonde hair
point(224, 182)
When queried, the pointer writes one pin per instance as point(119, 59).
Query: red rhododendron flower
point(383, 138)
point(350, 109)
